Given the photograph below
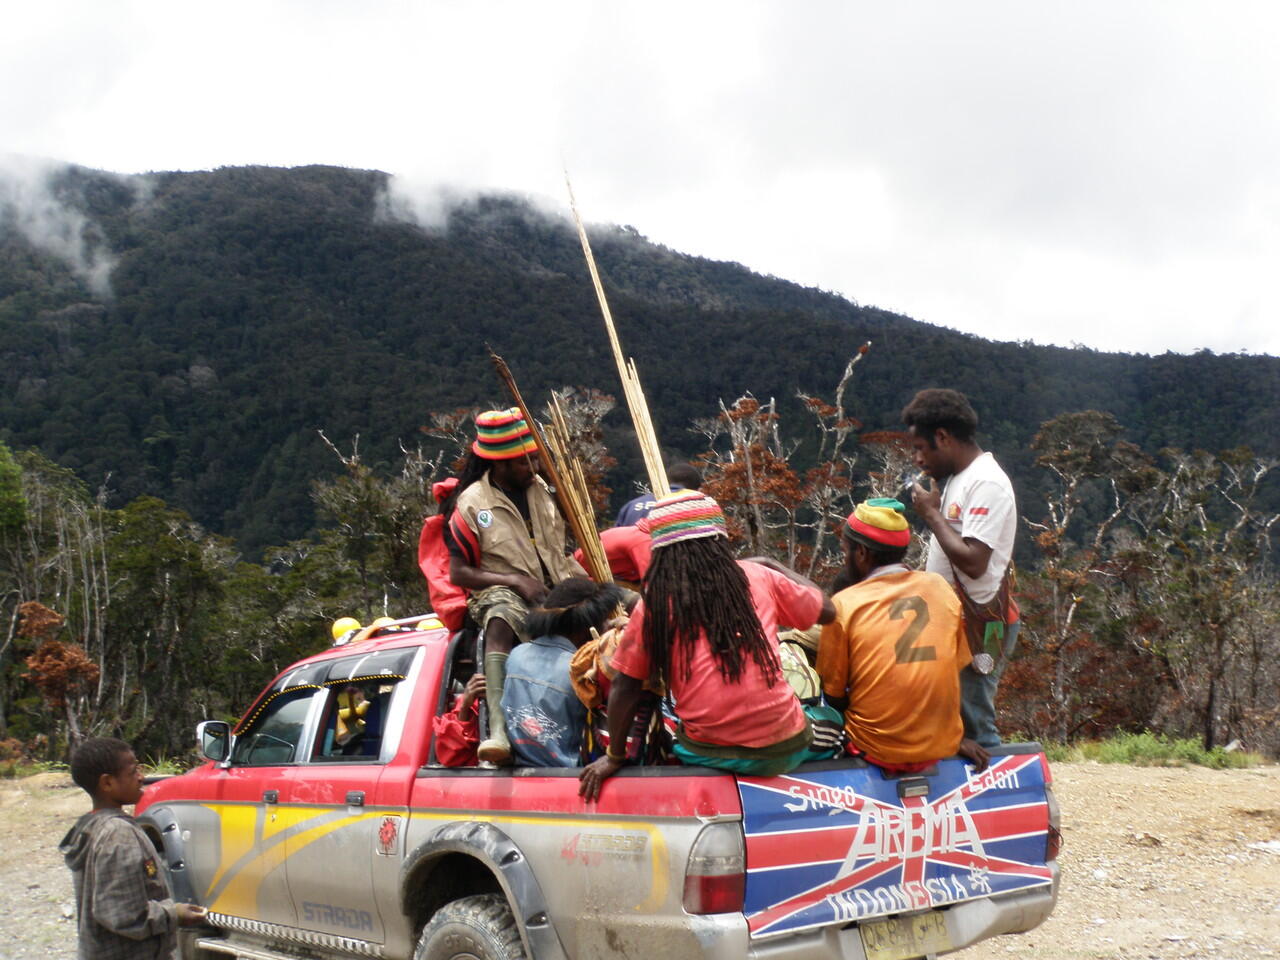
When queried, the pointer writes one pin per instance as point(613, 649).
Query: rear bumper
point(967, 923)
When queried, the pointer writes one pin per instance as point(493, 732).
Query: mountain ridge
point(252, 306)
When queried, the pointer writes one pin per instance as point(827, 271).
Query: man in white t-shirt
point(973, 517)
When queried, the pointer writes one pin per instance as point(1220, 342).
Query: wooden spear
point(631, 391)
point(577, 491)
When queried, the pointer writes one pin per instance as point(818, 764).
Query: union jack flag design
point(832, 846)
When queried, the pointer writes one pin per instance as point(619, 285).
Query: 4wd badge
point(388, 834)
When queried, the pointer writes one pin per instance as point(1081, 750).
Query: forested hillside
point(174, 530)
point(214, 321)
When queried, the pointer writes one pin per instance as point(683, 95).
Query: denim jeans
point(978, 694)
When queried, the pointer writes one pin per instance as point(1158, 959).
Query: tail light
point(1053, 845)
point(715, 881)
point(1053, 838)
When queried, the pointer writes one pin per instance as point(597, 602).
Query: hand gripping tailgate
point(843, 842)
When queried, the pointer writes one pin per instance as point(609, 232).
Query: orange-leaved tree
point(62, 672)
point(771, 508)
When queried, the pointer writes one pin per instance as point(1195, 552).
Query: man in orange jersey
point(891, 658)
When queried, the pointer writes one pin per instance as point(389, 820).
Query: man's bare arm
point(624, 700)
point(463, 575)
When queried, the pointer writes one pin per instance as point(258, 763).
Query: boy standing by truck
point(124, 907)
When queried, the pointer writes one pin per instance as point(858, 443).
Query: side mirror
point(215, 740)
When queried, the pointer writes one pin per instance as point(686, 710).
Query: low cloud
point(424, 205)
point(29, 204)
point(429, 204)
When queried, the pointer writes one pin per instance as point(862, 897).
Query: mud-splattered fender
point(162, 826)
point(493, 848)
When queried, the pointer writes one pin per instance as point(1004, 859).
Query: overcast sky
point(1102, 173)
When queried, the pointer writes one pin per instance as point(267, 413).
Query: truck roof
point(371, 640)
point(397, 633)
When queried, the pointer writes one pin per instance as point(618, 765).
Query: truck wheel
point(473, 928)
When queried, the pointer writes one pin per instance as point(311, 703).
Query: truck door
point(342, 826)
point(244, 873)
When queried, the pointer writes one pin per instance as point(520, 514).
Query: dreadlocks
point(473, 468)
point(694, 586)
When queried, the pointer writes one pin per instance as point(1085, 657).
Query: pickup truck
point(301, 846)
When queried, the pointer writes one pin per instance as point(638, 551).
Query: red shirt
point(748, 713)
point(627, 549)
point(457, 735)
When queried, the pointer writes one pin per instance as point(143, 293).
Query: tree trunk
point(1210, 711)
point(73, 727)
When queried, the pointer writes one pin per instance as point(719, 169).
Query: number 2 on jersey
point(906, 649)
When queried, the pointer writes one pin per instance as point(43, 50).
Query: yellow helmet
point(342, 626)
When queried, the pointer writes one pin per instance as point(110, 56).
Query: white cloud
point(425, 205)
point(1098, 172)
point(28, 204)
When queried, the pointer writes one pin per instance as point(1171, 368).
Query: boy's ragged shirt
point(124, 907)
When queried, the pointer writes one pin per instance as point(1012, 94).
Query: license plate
point(900, 937)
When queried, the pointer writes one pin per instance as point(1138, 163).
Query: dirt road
point(1158, 863)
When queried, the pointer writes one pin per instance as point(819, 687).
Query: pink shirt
point(748, 713)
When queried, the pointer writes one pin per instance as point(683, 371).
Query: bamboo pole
point(650, 451)
point(582, 525)
point(579, 493)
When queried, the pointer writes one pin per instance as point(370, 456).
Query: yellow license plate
point(900, 937)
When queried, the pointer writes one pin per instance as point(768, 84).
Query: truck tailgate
point(836, 842)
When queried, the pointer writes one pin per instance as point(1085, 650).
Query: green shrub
point(163, 766)
point(1148, 749)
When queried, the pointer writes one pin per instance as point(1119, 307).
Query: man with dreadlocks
point(506, 543)
point(545, 718)
point(891, 658)
point(706, 631)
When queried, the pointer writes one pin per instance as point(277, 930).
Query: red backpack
point(448, 601)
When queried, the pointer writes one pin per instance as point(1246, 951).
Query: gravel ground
point(1158, 863)
point(1161, 863)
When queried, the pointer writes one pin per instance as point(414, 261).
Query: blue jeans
point(978, 694)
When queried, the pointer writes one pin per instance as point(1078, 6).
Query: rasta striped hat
point(685, 515)
point(502, 435)
point(880, 523)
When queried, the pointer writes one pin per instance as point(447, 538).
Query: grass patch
point(164, 766)
point(1150, 750)
point(17, 769)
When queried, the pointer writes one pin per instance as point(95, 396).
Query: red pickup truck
point(302, 840)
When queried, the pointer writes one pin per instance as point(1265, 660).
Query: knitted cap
point(881, 521)
point(502, 435)
point(685, 515)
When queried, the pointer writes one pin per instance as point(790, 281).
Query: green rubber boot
point(496, 749)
